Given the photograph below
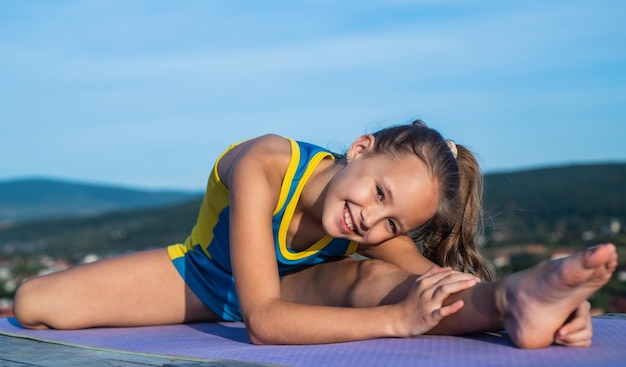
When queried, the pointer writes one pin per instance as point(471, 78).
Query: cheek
point(421, 213)
point(330, 216)
point(377, 235)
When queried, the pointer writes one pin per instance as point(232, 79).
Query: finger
point(432, 276)
point(443, 291)
point(580, 339)
point(452, 278)
point(443, 278)
point(451, 308)
point(439, 286)
point(580, 344)
point(579, 320)
point(434, 270)
point(440, 274)
point(437, 315)
point(578, 331)
point(458, 276)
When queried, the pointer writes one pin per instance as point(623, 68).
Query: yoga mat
point(211, 341)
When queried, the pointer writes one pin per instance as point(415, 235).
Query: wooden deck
point(19, 352)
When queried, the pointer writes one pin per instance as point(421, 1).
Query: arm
point(254, 181)
point(402, 252)
point(254, 178)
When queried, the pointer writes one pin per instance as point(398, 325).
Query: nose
point(364, 223)
point(369, 218)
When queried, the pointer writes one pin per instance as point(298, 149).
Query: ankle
point(502, 298)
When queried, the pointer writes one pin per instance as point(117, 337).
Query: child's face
point(376, 197)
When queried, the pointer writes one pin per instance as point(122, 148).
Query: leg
point(537, 301)
point(531, 305)
point(131, 290)
point(347, 283)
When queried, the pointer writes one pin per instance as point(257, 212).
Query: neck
point(312, 198)
point(306, 226)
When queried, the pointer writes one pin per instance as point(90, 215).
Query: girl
point(272, 242)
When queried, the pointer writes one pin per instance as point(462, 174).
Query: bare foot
point(537, 302)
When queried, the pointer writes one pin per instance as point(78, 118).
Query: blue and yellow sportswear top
point(204, 259)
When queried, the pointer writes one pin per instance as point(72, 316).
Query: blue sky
point(147, 93)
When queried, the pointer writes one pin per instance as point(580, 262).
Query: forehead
point(405, 167)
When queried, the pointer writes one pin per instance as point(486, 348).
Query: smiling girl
point(272, 247)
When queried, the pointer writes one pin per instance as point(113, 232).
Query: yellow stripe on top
point(289, 174)
point(216, 200)
point(212, 205)
point(288, 215)
point(352, 247)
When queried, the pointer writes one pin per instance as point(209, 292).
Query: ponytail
point(449, 239)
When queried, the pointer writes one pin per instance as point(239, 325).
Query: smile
point(347, 219)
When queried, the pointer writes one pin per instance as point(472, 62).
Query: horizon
point(147, 94)
point(200, 190)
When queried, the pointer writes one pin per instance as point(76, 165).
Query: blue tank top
point(204, 259)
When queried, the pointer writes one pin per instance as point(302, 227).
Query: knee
point(27, 305)
point(373, 280)
point(371, 270)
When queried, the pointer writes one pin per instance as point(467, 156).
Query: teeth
point(348, 219)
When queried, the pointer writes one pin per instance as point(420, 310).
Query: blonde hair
point(449, 238)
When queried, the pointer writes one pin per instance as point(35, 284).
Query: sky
point(147, 93)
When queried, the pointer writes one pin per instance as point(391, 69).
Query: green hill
point(33, 199)
point(559, 203)
point(560, 207)
point(550, 205)
point(103, 235)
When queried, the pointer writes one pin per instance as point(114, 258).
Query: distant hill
point(550, 204)
point(556, 202)
point(103, 235)
point(35, 199)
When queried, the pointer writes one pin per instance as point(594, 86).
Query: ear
point(363, 145)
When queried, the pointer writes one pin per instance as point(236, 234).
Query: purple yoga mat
point(210, 341)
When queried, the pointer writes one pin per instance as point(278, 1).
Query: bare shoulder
point(270, 153)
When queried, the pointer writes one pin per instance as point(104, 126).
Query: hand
point(424, 305)
point(577, 330)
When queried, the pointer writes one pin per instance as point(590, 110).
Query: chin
point(330, 229)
